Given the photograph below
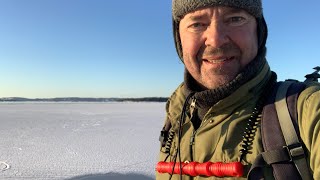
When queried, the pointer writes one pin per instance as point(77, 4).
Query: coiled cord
point(169, 141)
point(255, 119)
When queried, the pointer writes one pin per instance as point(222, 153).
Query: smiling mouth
point(219, 60)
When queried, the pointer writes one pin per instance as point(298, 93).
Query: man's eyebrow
point(235, 10)
point(196, 17)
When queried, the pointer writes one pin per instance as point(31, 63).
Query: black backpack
point(285, 154)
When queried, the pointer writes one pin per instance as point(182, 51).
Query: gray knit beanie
point(181, 7)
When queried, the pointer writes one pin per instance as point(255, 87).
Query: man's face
point(217, 43)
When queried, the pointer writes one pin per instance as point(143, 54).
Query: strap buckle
point(295, 151)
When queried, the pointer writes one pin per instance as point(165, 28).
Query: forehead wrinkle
point(197, 16)
point(234, 10)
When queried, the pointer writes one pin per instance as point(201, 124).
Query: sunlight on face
point(217, 43)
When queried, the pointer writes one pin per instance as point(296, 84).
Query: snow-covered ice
point(73, 141)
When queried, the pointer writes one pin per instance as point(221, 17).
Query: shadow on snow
point(112, 176)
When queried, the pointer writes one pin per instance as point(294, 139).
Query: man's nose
point(216, 35)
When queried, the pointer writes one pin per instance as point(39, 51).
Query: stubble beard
point(214, 78)
point(222, 74)
point(208, 78)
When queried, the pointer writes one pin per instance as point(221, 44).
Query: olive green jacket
point(219, 136)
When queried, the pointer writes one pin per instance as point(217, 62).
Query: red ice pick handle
point(219, 169)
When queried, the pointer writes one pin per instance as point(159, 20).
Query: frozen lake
point(73, 141)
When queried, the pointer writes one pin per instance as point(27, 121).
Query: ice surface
point(73, 141)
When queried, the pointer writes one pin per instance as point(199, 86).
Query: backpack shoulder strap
point(282, 150)
point(293, 144)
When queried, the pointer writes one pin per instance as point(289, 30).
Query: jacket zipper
point(192, 111)
point(192, 145)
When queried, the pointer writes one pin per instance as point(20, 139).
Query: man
point(226, 82)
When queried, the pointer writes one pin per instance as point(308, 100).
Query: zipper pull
point(193, 105)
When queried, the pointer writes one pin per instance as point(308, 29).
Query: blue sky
point(100, 48)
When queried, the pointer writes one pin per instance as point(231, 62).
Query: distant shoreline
point(79, 99)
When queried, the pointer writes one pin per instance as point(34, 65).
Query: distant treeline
point(148, 99)
point(79, 99)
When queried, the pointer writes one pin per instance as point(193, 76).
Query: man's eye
point(236, 20)
point(197, 27)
